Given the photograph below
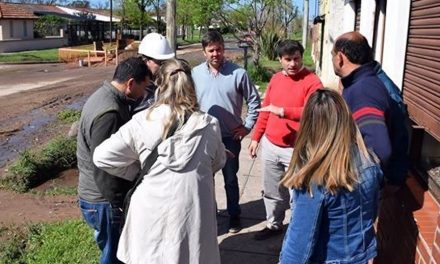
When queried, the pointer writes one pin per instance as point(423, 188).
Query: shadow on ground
point(241, 248)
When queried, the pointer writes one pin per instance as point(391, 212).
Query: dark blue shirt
point(369, 102)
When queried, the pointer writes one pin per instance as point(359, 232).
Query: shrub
point(269, 43)
point(258, 73)
point(69, 115)
point(48, 26)
point(35, 167)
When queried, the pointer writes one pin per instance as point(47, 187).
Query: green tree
point(258, 12)
point(134, 14)
point(286, 12)
point(48, 25)
point(158, 6)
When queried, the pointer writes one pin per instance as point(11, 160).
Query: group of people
point(324, 155)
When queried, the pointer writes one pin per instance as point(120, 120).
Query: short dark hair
point(356, 49)
point(131, 68)
point(289, 47)
point(212, 36)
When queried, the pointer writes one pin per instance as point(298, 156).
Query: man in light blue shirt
point(221, 88)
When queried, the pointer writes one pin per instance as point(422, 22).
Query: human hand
point(240, 132)
point(279, 111)
point(253, 148)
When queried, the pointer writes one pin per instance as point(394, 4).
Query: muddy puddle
point(36, 120)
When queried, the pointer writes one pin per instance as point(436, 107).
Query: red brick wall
point(409, 227)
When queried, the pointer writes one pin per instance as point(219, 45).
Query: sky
point(312, 7)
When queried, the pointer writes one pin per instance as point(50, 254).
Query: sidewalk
point(241, 248)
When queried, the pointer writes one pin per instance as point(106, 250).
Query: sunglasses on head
point(146, 58)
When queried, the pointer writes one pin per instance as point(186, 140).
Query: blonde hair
point(175, 88)
point(323, 153)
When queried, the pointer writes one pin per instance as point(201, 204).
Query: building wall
point(17, 29)
point(368, 9)
point(334, 26)
point(408, 226)
point(393, 59)
point(409, 220)
point(32, 44)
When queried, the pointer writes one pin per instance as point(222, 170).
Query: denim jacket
point(334, 229)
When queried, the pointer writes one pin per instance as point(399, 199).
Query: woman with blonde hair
point(335, 187)
point(172, 217)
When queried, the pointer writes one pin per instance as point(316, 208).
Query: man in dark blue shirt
point(371, 103)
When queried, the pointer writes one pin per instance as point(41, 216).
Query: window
point(11, 28)
point(25, 33)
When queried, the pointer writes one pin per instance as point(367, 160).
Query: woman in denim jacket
point(335, 188)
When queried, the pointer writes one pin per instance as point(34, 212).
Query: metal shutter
point(421, 84)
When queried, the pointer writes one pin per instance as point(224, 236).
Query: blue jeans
point(230, 176)
point(106, 221)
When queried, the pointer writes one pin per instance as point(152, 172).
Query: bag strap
point(151, 159)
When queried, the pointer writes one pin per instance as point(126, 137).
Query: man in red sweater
point(277, 126)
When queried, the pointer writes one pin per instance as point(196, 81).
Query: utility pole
point(111, 21)
point(305, 23)
point(171, 23)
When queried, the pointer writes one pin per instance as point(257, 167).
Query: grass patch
point(12, 245)
point(61, 242)
point(46, 55)
point(35, 167)
point(69, 115)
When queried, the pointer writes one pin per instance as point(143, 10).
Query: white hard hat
point(155, 46)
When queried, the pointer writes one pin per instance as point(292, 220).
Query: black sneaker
point(267, 233)
point(234, 224)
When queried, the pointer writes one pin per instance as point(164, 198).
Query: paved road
point(17, 78)
point(24, 77)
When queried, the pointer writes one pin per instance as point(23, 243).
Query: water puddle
point(18, 141)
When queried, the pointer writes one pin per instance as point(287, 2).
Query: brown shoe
point(267, 233)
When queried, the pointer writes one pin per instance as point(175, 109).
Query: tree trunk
point(183, 32)
point(257, 50)
point(141, 26)
point(171, 23)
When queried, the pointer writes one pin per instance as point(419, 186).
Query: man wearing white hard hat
point(154, 49)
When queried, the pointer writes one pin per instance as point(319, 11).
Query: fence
point(88, 56)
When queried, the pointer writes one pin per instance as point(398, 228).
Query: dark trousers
point(230, 176)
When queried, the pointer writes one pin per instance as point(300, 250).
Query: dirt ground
point(27, 120)
point(30, 97)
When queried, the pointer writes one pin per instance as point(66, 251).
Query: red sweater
point(291, 93)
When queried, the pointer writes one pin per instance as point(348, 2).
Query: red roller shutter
point(421, 85)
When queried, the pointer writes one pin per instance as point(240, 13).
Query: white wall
point(32, 44)
point(18, 30)
point(335, 24)
point(396, 34)
point(368, 9)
